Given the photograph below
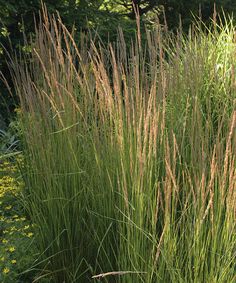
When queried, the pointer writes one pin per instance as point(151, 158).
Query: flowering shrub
point(16, 237)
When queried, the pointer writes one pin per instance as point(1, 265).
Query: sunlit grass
point(130, 155)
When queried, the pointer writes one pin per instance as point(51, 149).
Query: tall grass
point(130, 154)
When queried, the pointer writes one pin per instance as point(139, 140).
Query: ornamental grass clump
point(130, 154)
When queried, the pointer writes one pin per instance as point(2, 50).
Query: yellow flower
point(4, 241)
point(26, 227)
point(13, 261)
point(30, 234)
point(11, 249)
point(8, 207)
point(2, 258)
point(6, 270)
point(18, 110)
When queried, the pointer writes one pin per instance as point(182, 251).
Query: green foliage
point(8, 142)
point(17, 252)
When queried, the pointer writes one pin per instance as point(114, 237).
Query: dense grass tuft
point(130, 154)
